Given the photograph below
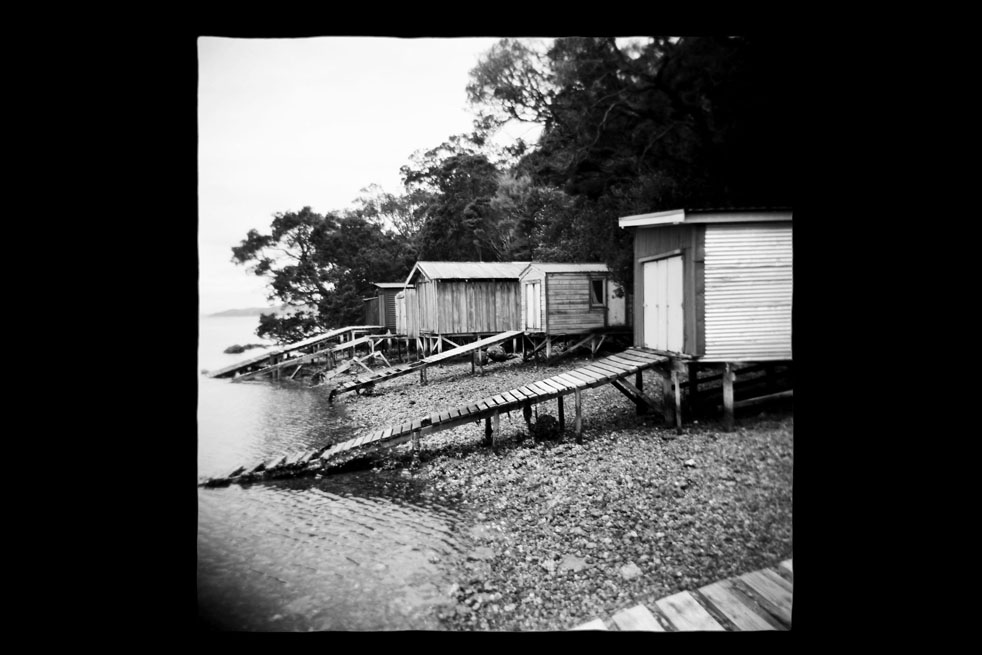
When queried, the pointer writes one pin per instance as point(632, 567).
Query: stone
point(572, 563)
point(549, 565)
point(630, 571)
point(481, 553)
point(691, 463)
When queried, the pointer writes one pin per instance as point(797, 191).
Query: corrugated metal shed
point(468, 270)
point(749, 290)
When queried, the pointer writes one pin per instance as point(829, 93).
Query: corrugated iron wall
point(749, 291)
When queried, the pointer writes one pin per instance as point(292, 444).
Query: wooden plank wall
point(371, 311)
point(468, 306)
point(412, 314)
point(691, 240)
point(568, 304)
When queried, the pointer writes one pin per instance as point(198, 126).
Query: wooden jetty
point(614, 369)
point(760, 600)
point(311, 345)
point(374, 377)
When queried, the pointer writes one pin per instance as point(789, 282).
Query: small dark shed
point(714, 284)
point(381, 309)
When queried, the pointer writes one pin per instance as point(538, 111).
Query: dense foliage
point(651, 125)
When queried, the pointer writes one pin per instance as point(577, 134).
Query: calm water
point(352, 551)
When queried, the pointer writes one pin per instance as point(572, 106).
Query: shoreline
point(561, 532)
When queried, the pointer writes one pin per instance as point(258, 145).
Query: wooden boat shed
point(462, 300)
point(562, 298)
point(714, 287)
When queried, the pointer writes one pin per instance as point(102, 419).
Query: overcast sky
point(284, 123)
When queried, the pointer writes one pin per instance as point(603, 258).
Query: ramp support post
point(728, 377)
point(577, 398)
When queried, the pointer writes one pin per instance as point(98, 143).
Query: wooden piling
point(577, 399)
point(562, 414)
point(488, 436)
point(641, 408)
point(728, 378)
point(422, 376)
point(693, 384)
point(678, 400)
point(495, 427)
point(667, 401)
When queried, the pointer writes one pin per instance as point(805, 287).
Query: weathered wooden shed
point(465, 298)
point(570, 298)
point(381, 309)
point(714, 284)
point(407, 313)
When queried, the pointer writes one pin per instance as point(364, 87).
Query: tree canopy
point(627, 128)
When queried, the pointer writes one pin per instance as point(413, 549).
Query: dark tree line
point(665, 124)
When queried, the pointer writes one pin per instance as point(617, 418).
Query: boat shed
point(714, 285)
point(465, 298)
point(570, 298)
point(381, 309)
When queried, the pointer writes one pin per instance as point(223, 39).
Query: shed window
point(597, 296)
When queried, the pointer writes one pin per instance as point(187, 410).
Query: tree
point(323, 266)
point(457, 183)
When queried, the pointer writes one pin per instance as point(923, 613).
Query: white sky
point(284, 123)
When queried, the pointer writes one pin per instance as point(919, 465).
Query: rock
point(572, 563)
point(630, 571)
point(549, 565)
point(481, 553)
point(691, 463)
point(481, 532)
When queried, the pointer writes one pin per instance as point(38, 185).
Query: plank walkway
point(595, 374)
point(304, 359)
point(395, 371)
point(760, 600)
point(303, 343)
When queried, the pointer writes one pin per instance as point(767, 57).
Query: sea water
point(362, 550)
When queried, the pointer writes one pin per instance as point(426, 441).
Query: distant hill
point(255, 311)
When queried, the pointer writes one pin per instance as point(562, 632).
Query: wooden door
point(663, 317)
point(533, 300)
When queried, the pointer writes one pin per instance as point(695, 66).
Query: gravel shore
point(562, 532)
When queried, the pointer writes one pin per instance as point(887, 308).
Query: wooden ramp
point(305, 359)
point(309, 342)
point(395, 371)
point(603, 371)
point(760, 600)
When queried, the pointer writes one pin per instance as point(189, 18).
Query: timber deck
point(303, 343)
point(611, 369)
point(760, 600)
point(375, 377)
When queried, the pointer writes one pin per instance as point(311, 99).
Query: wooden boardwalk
point(760, 600)
point(382, 375)
point(310, 342)
point(611, 369)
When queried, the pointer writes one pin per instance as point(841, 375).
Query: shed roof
point(389, 285)
point(567, 267)
point(679, 216)
point(468, 270)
